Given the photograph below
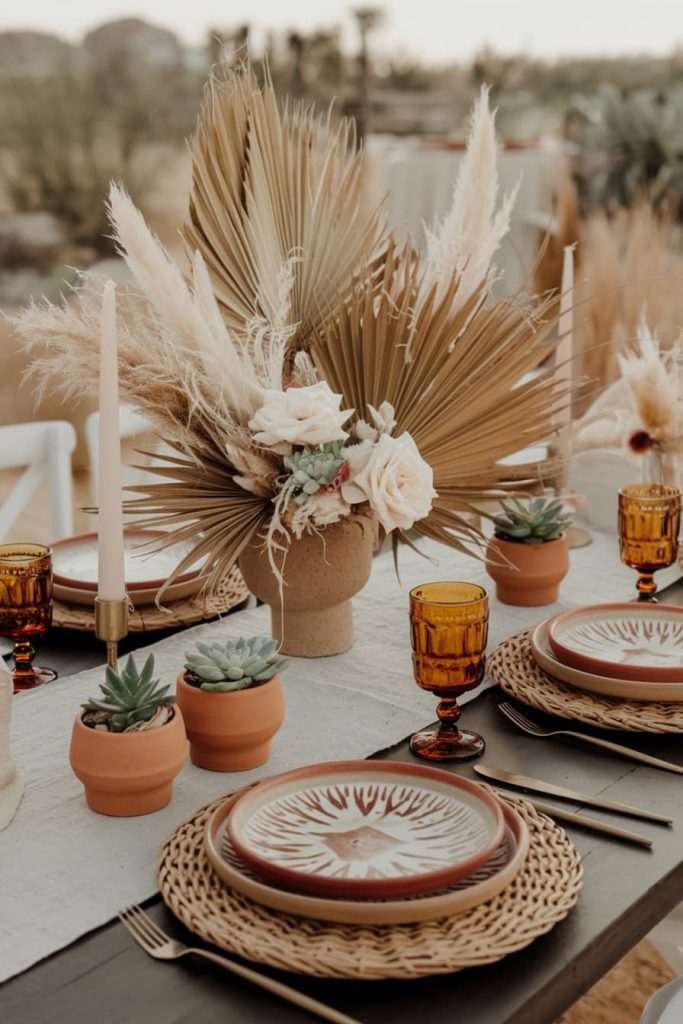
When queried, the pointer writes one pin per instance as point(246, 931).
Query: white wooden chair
point(44, 448)
point(131, 424)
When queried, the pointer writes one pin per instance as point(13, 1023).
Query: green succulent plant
point(532, 522)
point(128, 697)
point(233, 665)
point(314, 468)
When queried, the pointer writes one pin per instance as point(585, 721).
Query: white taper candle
point(564, 352)
point(110, 575)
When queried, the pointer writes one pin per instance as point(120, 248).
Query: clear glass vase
point(660, 467)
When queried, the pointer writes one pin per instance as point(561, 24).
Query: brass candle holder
point(111, 625)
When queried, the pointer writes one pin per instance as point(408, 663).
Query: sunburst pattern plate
point(491, 878)
point(590, 682)
point(643, 642)
point(362, 829)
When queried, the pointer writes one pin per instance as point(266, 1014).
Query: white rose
point(394, 478)
point(304, 416)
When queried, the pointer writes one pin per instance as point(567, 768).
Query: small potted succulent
point(528, 556)
point(129, 744)
point(232, 702)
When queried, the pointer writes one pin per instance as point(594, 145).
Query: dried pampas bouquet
point(310, 370)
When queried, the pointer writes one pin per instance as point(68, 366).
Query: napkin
point(11, 783)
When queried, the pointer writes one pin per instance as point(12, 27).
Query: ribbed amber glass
point(449, 631)
point(649, 523)
point(25, 606)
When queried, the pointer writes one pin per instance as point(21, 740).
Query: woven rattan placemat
point(230, 592)
point(514, 668)
point(539, 897)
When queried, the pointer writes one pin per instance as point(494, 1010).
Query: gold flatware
point(591, 824)
point(533, 729)
point(552, 789)
point(159, 945)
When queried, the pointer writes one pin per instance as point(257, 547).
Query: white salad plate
point(74, 564)
point(643, 642)
point(590, 682)
point(365, 829)
point(491, 878)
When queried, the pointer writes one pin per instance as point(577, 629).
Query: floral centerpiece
point(316, 380)
point(641, 413)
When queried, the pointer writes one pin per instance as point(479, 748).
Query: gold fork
point(161, 946)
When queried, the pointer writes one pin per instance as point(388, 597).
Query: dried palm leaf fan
point(452, 375)
point(289, 276)
point(275, 186)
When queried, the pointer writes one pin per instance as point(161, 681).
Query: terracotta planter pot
point(132, 773)
point(231, 732)
point(322, 572)
point(534, 574)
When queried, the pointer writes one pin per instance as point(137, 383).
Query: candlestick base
point(111, 625)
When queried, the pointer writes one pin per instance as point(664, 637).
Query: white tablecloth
point(419, 181)
point(65, 870)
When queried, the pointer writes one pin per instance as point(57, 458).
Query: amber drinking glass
point(25, 607)
point(449, 629)
point(649, 520)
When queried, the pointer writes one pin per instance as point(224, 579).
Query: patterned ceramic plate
point(606, 686)
point(362, 829)
point(643, 642)
point(498, 871)
point(74, 562)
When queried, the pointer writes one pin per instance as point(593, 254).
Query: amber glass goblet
point(449, 628)
point(26, 607)
point(649, 520)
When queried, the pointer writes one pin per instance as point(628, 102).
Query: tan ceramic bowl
point(231, 732)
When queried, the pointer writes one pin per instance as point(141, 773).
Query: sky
point(431, 30)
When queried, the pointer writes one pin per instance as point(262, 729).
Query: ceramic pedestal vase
point(231, 732)
point(534, 573)
point(128, 773)
point(322, 571)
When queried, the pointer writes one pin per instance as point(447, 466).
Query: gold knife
point(551, 789)
point(591, 824)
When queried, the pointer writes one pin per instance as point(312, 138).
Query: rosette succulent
point(129, 699)
point(532, 522)
point(314, 468)
point(233, 665)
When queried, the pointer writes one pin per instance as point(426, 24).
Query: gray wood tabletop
point(104, 977)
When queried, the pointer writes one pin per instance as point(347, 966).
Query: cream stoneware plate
point(605, 686)
point(499, 870)
point(366, 830)
point(74, 562)
point(643, 642)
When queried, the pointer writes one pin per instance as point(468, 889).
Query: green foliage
point(67, 134)
point(234, 664)
point(532, 522)
point(129, 696)
point(314, 468)
point(633, 147)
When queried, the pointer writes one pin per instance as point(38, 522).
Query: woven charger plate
point(514, 668)
point(540, 896)
point(231, 591)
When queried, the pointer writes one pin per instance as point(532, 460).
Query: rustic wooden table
point(104, 977)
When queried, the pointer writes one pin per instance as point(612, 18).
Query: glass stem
point(448, 712)
point(646, 587)
point(24, 654)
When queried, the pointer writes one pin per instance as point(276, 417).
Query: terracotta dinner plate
point(74, 562)
point(363, 829)
point(606, 686)
point(643, 642)
point(490, 879)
